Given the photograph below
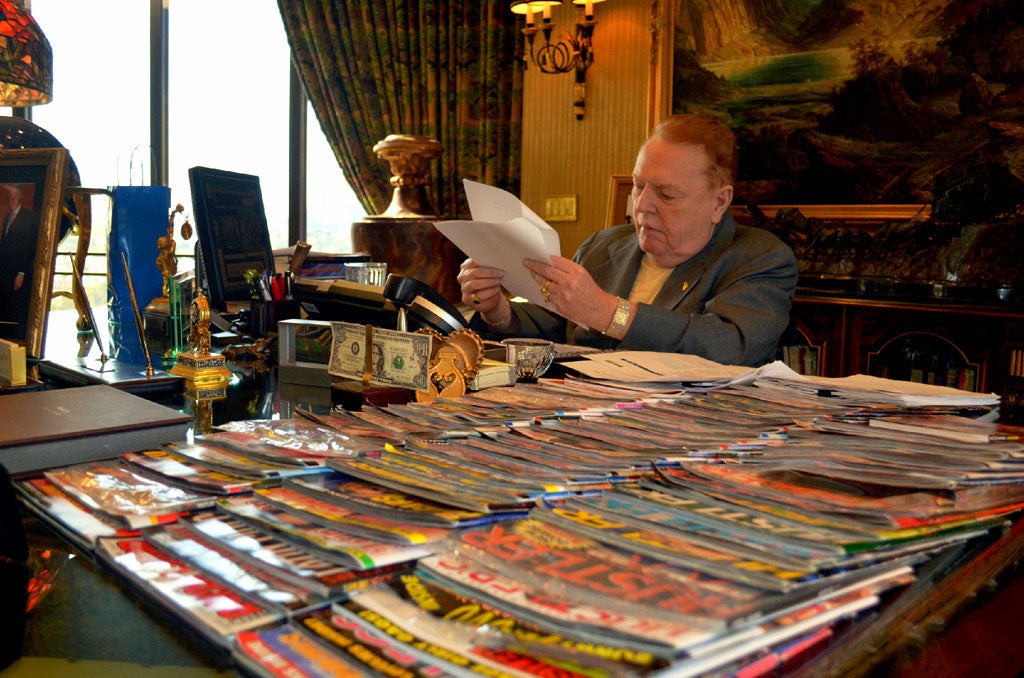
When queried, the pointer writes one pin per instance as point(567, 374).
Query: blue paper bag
point(138, 218)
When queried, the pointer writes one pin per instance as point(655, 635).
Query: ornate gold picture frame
point(36, 177)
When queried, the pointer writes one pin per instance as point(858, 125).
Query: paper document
point(502, 233)
point(651, 367)
point(644, 367)
point(869, 388)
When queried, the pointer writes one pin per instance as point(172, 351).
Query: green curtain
point(440, 69)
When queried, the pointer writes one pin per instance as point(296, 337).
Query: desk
point(962, 617)
point(89, 624)
point(90, 617)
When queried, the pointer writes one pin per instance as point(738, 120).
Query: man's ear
point(723, 198)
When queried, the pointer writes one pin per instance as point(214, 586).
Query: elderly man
point(684, 277)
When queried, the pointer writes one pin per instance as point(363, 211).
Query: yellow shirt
point(648, 281)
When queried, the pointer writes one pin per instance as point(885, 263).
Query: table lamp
point(26, 60)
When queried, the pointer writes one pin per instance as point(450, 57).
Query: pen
point(261, 283)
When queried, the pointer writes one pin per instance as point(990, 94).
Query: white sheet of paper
point(653, 367)
point(502, 233)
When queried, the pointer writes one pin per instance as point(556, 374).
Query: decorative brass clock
point(201, 369)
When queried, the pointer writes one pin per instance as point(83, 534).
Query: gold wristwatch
point(619, 320)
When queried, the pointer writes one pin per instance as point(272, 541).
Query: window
point(228, 109)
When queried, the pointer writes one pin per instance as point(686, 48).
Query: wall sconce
point(573, 52)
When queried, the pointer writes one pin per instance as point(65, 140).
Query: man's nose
point(641, 201)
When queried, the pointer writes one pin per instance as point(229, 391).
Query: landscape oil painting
point(862, 102)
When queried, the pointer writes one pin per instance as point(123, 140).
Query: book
point(116, 493)
point(45, 429)
point(399, 506)
point(950, 426)
point(456, 646)
point(286, 560)
point(65, 515)
point(202, 604)
point(283, 651)
point(560, 562)
point(191, 476)
point(251, 517)
point(234, 463)
point(223, 566)
point(374, 651)
point(598, 625)
point(358, 524)
point(571, 647)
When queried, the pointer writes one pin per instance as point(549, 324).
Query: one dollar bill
point(395, 358)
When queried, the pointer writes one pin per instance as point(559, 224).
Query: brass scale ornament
point(454, 360)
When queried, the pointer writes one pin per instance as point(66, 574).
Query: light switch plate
point(560, 208)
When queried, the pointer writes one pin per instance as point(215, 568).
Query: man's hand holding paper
point(502, 234)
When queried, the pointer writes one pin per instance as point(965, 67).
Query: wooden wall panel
point(566, 156)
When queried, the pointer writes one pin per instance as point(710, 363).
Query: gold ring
point(475, 299)
point(545, 289)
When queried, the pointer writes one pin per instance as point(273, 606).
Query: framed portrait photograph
point(232, 228)
point(32, 185)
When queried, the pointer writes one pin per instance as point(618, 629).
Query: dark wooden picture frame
point(40, 176)
point(232, 228)
point(620, 203)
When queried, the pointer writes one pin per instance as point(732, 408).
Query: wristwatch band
point(619, 320)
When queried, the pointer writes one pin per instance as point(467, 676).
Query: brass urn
point(409, 156)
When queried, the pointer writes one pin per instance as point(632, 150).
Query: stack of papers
point(654, 367)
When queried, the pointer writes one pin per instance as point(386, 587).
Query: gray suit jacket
point(729, 303)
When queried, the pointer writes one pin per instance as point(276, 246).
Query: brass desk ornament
point(199, 399)
point(79, 286)
point(167, 260)
point(163, 313)
point(409, 157)
point(201, 369)
point(139, 326)
point(455, 361)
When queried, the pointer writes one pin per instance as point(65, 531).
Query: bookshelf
point(979, 347)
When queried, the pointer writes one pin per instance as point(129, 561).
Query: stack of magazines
point(557, 528)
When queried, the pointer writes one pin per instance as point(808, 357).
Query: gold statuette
point(200, 368)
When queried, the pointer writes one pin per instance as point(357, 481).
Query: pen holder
point(265, 315)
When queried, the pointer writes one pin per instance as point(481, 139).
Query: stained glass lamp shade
point(26, 61)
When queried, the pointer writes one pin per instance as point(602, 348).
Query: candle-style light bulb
point(529, 16)
point(588, 9)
